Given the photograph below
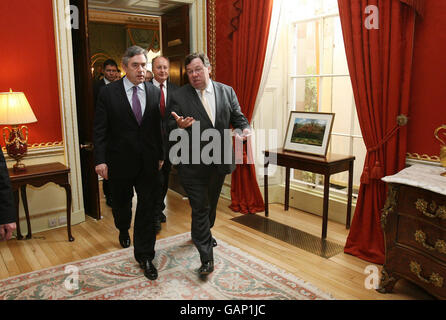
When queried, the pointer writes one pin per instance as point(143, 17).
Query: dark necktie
point(136, 104)
point(162, 101)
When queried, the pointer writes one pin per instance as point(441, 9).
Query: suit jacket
point(7, 205)
point(129, 149)
point(186, 102)
point(171, 87)
point(97, 86)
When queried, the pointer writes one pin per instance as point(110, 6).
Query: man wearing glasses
point(212, 107)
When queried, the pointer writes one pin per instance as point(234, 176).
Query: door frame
point(67, 91)
point(67, 98)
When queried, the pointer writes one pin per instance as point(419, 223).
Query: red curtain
point(379, 62)
point(249, 45)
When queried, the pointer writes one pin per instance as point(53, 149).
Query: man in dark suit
point(7, 206)
point(129, 153)
point(213, 107)
point(110, 69)
point(160, 68)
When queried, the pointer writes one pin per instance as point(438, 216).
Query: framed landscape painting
point(309, 132)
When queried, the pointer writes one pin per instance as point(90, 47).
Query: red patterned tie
point(162, 101)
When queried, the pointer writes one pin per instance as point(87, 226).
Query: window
point(319, 81)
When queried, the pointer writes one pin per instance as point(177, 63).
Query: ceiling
point(149, 7)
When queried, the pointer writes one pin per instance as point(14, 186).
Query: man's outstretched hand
point(183, 122)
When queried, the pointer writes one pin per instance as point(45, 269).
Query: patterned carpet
point(117, 276)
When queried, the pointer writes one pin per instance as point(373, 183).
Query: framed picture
point(309, 132)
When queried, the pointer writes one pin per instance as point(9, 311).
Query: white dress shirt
point(128, 86)
point(210, 98)
point(157, 84)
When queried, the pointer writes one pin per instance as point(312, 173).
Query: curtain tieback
point(377, 171)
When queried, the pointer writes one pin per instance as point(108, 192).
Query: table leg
point(287, 188)
point(68, 192)
point(350, 193)
point(16, 198)
point(25, 206)
point(265, 186)
point(325, 208)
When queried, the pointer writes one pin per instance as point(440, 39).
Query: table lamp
point(15, 110)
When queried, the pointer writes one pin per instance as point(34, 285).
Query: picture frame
point(309, 132)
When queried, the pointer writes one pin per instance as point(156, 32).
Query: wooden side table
point(37, 176)
point(331, 164)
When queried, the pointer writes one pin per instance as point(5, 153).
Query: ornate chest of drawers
point(414, 224)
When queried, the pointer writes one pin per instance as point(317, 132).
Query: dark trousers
point(164, 182)
point(106, 187)
point(203, 194)
point(144, 234)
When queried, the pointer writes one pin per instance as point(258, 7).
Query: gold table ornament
point(442, 146)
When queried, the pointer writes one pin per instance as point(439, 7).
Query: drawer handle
point(440, 245)
point(435, 211)
point(434, 278)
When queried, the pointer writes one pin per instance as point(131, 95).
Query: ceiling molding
point(122, 18)
point(147, 7)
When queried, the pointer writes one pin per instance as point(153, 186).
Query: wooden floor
point(341, 275)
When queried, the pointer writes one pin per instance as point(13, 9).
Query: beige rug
point(116, 275)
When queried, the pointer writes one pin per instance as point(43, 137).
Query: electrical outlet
point(52, 222)
point(62, 220)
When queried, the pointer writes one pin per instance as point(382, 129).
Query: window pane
point(334, 60)
point(302, 9)
point(307, 48)
point(342, 105)
point(307, 94)
point(359, 151)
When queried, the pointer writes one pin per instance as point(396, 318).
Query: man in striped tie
point(129, 152)
point(160, 68)
point(212, 107)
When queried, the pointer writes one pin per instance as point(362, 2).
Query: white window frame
point(292, 77)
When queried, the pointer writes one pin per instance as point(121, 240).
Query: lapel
point(198, 106)
point(148, 96)
point(169, 92)
point(218, 99)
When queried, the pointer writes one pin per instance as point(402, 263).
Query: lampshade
point(15, 109)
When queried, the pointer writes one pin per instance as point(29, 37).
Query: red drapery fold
point(379, 62)
point(249, 49)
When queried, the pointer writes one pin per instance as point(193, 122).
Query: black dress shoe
point(124, 239)
point(150, 271)
point(214, 242)
point(206, 268)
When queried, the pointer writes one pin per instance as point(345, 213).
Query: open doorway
point(162, 27)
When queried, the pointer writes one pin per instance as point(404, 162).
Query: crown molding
point(123, 18)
